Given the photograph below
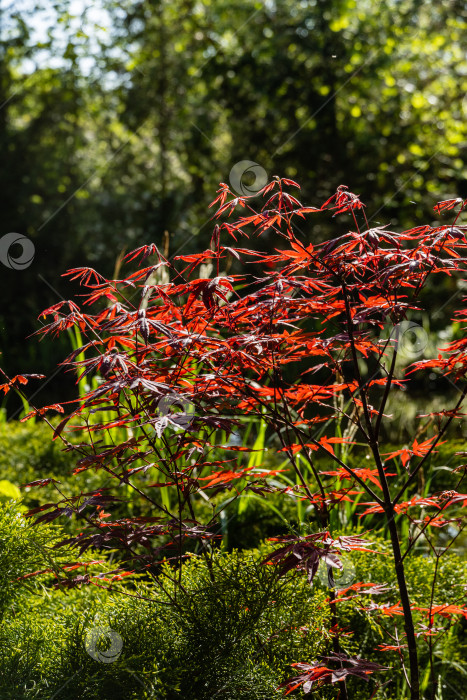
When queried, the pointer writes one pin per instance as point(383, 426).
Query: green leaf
point(8, 490)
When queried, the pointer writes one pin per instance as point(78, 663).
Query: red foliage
point(318, 674)
point(235, 344)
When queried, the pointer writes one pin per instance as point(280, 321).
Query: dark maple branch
point(387, 389)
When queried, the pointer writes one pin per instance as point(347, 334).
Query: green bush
point(22, 550)
point(231, 638)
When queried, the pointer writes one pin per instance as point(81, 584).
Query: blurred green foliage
point(27, 452)
point(118, 124)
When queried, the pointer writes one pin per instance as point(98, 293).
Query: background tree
point(119, 120)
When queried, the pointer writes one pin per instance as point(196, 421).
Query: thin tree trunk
point(405, 602)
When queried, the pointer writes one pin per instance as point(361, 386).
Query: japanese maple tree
point(285, 346)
